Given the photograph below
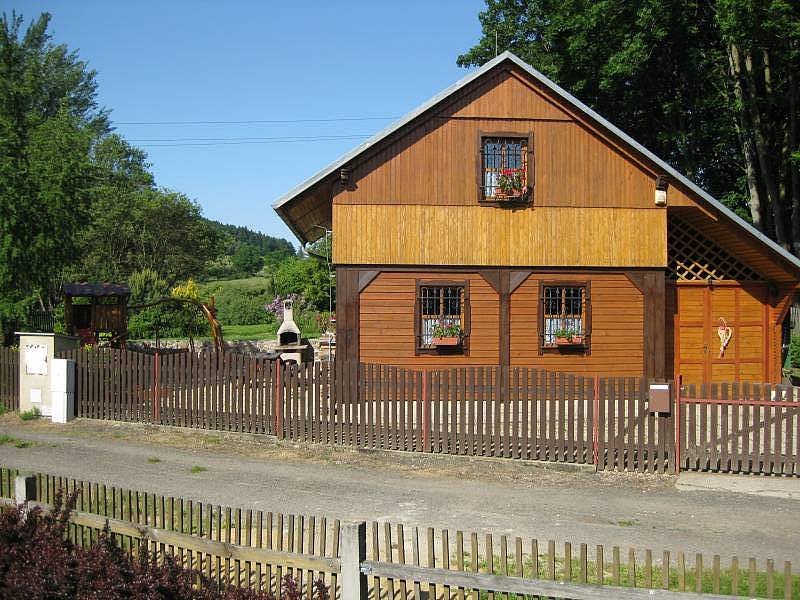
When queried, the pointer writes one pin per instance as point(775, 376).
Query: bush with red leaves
point(37, 561)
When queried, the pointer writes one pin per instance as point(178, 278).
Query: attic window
point(505, 173)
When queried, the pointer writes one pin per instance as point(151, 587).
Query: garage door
point(698, 355)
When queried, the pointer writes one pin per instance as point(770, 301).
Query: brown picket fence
point(739, 428)
point(9, 379)
point(519, 413)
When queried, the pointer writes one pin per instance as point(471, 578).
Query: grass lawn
point(217, 286)
point(232, 333)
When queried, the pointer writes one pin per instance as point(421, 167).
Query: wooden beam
point(492, 277)
point(348, 331)
point(518, 585)
point(517, 278)
point(653, 286)
point(504, 331)
point(366, 277)
point(347, 314)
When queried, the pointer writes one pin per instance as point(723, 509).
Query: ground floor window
point(441, 315)
point(564, 315)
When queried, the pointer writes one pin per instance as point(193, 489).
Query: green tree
point(666, 72)
point(247, 260)
point(146, 228)
point(306, 277)
point(49, 117)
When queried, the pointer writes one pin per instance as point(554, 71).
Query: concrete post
point(24, 490)
point(353, 552)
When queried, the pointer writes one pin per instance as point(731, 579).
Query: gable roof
point(703, 196)
point(96, 289)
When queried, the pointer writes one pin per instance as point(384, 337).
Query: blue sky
point(258, 61)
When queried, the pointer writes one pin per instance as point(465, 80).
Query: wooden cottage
point(508, 215)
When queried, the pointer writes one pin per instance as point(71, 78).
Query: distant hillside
point(235, 235)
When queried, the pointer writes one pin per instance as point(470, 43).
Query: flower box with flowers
point(567, 337)
point(446, 335)
point(510, 184)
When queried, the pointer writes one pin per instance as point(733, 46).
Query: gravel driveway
point(499, 496)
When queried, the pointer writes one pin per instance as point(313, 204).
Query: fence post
point(426, 414)
point(24, 490)
point(677, 424)
point(156, 387)
point(278, 412)
point(352, 553)
point(595, 422)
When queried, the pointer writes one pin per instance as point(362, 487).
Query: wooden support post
point(278, 400)
point(426, 414)
point(353, 552)
point(596, 421)
point(156, 387)
point(677, 423)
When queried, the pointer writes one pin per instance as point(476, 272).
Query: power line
point(255, 122)
point(252, 141)
point(281, 138)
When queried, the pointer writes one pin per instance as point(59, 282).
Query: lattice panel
point(694, 257)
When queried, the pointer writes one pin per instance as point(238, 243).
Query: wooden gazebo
point(97, 312)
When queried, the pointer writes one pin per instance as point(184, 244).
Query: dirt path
point(508, 497)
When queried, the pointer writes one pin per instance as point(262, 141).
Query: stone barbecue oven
point(291, 344)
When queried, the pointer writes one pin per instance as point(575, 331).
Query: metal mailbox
point(659, 398)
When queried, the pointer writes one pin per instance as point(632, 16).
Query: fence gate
point(739, 428)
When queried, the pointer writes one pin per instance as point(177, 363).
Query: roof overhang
point(284, 205)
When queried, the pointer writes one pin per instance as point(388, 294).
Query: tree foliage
point(78, 202)
point(668, 74)
point(48, 119)
point(305, 277)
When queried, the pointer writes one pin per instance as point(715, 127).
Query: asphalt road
point(497, 496)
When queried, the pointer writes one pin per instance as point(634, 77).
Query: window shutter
point(417, 317)
point(531, 174)
point(541, 319)
point(467, 312)
point(588, 344)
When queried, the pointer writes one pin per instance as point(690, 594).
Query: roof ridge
point(575, 103)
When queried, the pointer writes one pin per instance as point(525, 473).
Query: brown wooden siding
point(617, 327)
point(478, 235)
point(387, 321)
point(437, 166)
point(507, 94)
point(387, 324)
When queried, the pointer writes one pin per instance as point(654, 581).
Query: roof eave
point(790, 258)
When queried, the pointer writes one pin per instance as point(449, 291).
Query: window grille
point(504, 167)
point(439, 305)
point(564, 308)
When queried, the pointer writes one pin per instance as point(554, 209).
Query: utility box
point(36, 370)
point(62, 390)
point(660, 398)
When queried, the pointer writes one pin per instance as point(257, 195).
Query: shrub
point(30, 415)
point(37, 561)
point(794, 352)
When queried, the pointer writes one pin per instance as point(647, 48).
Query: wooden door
point(697, 345)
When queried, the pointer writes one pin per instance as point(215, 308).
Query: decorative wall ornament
point(725, 333)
